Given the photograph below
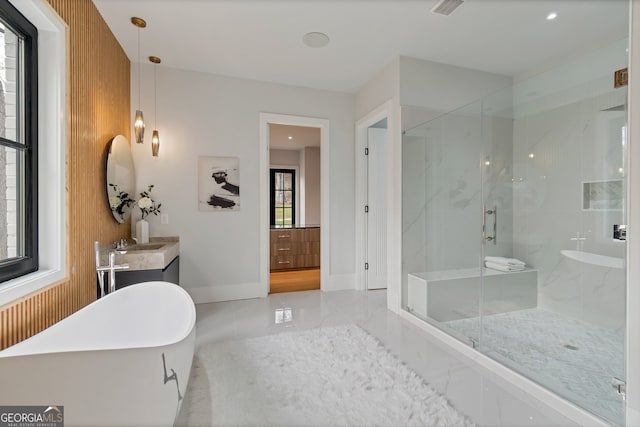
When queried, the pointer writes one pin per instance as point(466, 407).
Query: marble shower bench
point(455, 294)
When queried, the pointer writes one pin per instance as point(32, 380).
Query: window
point(283, 196)
point(18, 144)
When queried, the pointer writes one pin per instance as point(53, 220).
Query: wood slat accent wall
point(98, 109)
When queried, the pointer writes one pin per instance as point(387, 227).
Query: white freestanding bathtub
point(123, 360)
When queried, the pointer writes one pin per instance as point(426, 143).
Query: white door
point(376, 218)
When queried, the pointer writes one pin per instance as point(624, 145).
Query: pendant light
point(155, 138)
point(138, 121)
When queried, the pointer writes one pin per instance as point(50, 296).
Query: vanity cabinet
point(295, 248)
point(157, 260)
point(170, 273)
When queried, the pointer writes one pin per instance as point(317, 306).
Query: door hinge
point(620, 387)
point(366, 265)
point(366, 208)
point(366, 151)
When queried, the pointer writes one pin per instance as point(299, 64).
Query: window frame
point(27, 142)
point(272, 195)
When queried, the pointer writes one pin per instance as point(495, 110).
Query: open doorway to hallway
point(315, 233)
point(294, 208)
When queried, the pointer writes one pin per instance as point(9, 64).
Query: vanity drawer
point(287, 236)
point(294, 248)
point(285, 262)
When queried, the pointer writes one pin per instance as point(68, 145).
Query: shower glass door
point(442, 202)
point(553, 287)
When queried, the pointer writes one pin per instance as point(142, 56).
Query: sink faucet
point(111, 268)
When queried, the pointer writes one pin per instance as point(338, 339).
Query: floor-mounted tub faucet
point(111, 268)
point(579, 241)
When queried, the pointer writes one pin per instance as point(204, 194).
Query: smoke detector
point(446, 7)
point(315, 39)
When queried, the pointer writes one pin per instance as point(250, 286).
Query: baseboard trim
point(340, 282)
point(221, 293)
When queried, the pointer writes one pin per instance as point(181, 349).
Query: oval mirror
point(120, 178)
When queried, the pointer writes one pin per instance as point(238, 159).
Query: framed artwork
point(218, 183)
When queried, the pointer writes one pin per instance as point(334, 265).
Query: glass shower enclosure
point(514, 228)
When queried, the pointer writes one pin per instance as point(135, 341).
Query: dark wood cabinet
point(295, 248)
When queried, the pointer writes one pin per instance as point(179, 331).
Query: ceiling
point(301, 137)
point(262, 39)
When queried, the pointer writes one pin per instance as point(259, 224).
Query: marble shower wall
point(555, 152)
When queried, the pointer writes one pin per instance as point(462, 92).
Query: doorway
point(294, 208)
point(294, 196)
point(375, 207)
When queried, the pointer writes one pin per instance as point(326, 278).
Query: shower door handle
point(493, 212)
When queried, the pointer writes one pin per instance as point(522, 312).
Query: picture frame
point(218, 183)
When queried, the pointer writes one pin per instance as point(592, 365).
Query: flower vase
point(142, 231)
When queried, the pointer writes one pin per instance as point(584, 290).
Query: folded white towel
point(503, 267)
point(504, 260)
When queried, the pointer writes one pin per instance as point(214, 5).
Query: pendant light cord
point(139, 65)
point(155, 94)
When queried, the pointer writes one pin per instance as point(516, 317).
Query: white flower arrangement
point(146, 204)
point(120, 201)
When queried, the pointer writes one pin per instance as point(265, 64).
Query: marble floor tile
point(475, 391)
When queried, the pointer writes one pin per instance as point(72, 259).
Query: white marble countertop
point(147, 256)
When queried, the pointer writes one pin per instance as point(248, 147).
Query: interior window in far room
point(283, 197)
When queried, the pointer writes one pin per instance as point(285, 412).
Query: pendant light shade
point(138, 127)
point(155, 137)
point(138, 121)
point(155, 143)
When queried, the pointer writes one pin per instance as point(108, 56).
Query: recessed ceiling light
point(315, 39)
point(290, 137)
point(552, 16)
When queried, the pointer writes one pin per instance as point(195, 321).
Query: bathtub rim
point(16, 350)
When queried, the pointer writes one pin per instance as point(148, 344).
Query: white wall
point(442, 87)
point(209, 115)
point(310, 174)
point(385, 85)
point(284, 157)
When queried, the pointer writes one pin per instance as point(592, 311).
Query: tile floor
point(477, 392)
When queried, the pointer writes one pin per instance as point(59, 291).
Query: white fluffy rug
point(323, 377)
